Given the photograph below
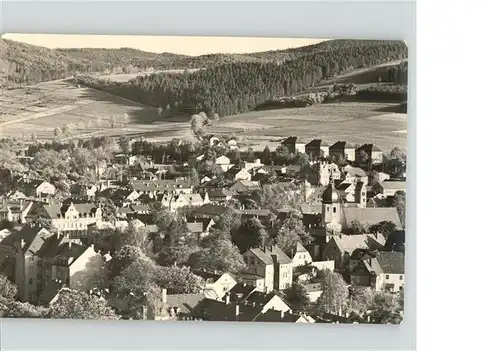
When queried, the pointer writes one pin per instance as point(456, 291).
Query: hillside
point(24, 63)
point(238, 87)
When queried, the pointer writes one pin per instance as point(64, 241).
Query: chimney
point(237, 310)
point(69, 244)
point(227, 298)
point(23, 243)
point(282, 314)
point(164, 295)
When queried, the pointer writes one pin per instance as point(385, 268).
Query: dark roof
point(313, 287)
point(69, 252)
point(208, 276)
point(343, 186)
point(314, 208)
point(210, 210)
point(185, 302)
point(330, 195)
point(372, 215)
point(266, 255)
point(220, 193)
point(278, 316)
point(291, 139)
point(259, 298)
point(33, 236)
point(50, 291)
point(392, 262)
point(214, 310)
point(254, 212)
point(314, 143)
point(159, 185)
point(241, 291)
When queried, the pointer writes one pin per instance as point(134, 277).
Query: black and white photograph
point(181, 179)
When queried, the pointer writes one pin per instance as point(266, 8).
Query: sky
point(177, 45)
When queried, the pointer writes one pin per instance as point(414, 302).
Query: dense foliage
point(239, 87)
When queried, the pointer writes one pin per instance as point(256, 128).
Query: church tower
point(331, 207)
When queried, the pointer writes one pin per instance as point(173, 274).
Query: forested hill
point(238, 87)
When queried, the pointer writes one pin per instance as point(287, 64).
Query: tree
point(250, 155)
point(228, 222)
point(93, 275)
point(399, 202)
point(125, 144)
point(7, 290)
point(67, 129)
point(179, 280)
point(18, 309)
point(108, 208)
point(194, 177)
point(290, 232)
point(297, 297)
point(197, 125)
point(355, 227)
point(45, 223)
point(385, 308)
point(217, 253)
point(57, 132)
point(250, 234)
point(335, 292)
point(385, 228)
point(73, 304)
point(266, 156)
point(136, 235)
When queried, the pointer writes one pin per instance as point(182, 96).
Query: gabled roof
point(50, 292)
point(349, 243)
point(291, 139)
point(315, 208)
point(210, 210)
point(266, 255)
point(207, 275)
point(299, 248)
point(393, 185)
point(354, 171)
point(316, 143)
point(185, 302)
point(214, 310)
point(68, 253)
point(33, 236)
point(278, 316)
point(257, 212)
point(391, 262)
point(241, 291)
point(372, 215)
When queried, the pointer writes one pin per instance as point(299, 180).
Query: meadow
point(40, 108)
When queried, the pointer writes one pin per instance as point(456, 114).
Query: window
point(400, 288)
point(387, 276)
point(30, 281)
point(335, 210)
point(400, 277)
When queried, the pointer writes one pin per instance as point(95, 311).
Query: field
point(87, 112)
point(126, 77)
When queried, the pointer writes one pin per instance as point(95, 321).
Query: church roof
point(330, 195)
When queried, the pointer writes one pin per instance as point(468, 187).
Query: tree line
point(238, 87)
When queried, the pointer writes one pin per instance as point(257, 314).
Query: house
point(238, 172)
point(16, 195)
point(71, 218)
point(205, 179)
point(382, 271)
point(209, 211)
point(271, 263)
point(174, 202)
point(220, 195)
point(379, 200)
point(316, 148)
point(389, 188)
point(300, 256)
point(224, 162)
point(177, 185)
point(244, 186)
point(37, 188)
point(232, 144)
point(327, 172)
point(343, 151)
point(4, 233)
point(372, 152)
point(15, 211)
point(378, 177)
point(280, 316)
point(369, 216)
point(314, 291)
point(340, 247)
point(213, 140)
point(200, 227)
point(293, 145)
point(180, 306)
point(354, 174)
point(265, 215)
point(87, 191)
point(50, 293)
point(251, 165)
point(255, 281)
point(217, 284)
point(265, 302)
point(244, 311)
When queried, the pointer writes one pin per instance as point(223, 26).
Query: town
point(310, 231)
